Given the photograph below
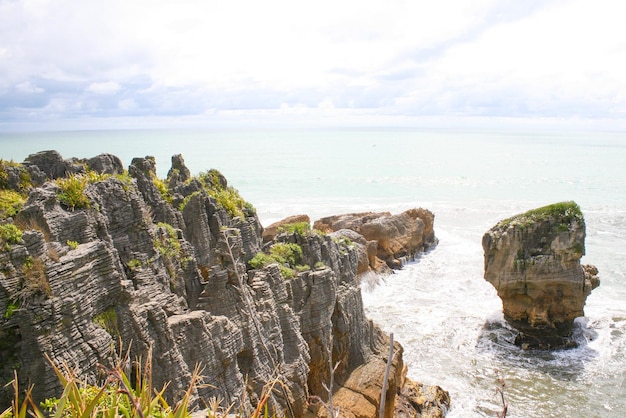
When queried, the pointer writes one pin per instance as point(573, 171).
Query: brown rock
point(270, 231)
point(395, 238)
point(351, 221)
point(533, 261)
point(417, 400)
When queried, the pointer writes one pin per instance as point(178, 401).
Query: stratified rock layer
point(387, 240)
point(165, 271)
point(533, 261)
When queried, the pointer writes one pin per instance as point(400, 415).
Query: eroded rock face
point(392, 239)
point(170, 278)
point(533, 261)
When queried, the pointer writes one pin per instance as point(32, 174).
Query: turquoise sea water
point(446, 316)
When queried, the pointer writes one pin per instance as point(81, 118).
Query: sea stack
point(533, 261)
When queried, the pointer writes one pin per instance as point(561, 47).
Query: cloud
point(490, 58)
point(107, 87)
point(28, 87)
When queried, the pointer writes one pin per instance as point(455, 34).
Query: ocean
point(447, 317)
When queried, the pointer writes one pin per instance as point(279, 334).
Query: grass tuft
point(72, 193)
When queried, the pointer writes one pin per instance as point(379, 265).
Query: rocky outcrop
point(163, 267)
point(533, 261)
point(270, 231)
point(392, 239)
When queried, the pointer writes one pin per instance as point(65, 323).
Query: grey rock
point(173, 286)
point(52, 164)
point(106, 164)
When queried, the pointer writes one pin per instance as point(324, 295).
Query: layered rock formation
point(164, 267)
point(533, 261)
point(387, 240)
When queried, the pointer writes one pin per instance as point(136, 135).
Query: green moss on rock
point(563, 213)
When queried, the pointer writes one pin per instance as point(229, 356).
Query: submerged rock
point(533, 261)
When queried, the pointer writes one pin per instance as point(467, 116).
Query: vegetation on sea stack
point(563, 213)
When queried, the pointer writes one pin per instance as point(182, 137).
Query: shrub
point(186, 200)
point(72, 193)
point(108, 321)
point(10, 234)
point(300, 228)
point(94, 177)
point(134, 264)
point(11, 202)
point(288, 256)
point(287, 253)
point(261, 260)
point(167, 244)
point(10, 310)
point(72, 244)
point(227, 197)
point(163, 189)
point(125, 178)
point(24, 181)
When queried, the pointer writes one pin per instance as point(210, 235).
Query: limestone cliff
point(533, 261)
point(98, 255)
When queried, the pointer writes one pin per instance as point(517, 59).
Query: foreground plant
point(116, 397)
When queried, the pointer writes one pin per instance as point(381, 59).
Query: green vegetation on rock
point(168, 245)
point(10, 310)
point(134, 264)
point(288, 256)
point(72, 192)
point(9, 234)
point(12, 199)
point(108, 321)
point(563, 213)
point(186, 200)
point(24, 181)
point(226, 196)
point(163, 189)
point(11, 202)
point(300, 228)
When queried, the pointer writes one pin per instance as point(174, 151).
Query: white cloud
point(127, 104)
point(500, 58)
point(107, 87)
point(28, 87)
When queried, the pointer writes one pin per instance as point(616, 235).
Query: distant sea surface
point(439, 307)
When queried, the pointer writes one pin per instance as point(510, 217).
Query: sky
point(69, 64)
